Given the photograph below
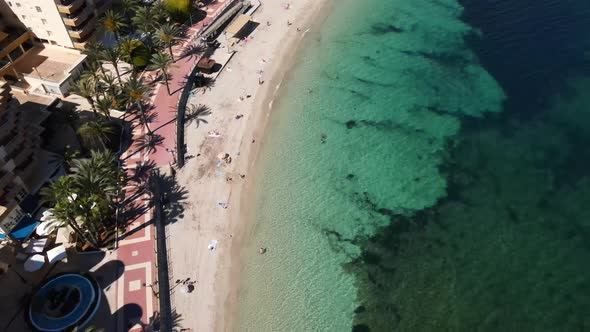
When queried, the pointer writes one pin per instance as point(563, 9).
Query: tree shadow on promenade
point(172, 196)
point(192, 51)
point(148, 143)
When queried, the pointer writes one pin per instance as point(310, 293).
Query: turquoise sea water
point(408, 181)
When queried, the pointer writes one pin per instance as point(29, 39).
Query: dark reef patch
point(385, 28)
point(483, 239)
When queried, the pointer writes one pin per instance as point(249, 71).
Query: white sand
point(212, 306)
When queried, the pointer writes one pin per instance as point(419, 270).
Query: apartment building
point(20, 143)
point(67, 23)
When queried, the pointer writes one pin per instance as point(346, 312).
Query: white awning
point(238, 24)
point(56, 254)
point(34, 263)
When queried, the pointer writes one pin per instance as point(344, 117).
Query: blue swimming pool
point(64, 302)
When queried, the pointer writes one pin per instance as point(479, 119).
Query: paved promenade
point(137, 248)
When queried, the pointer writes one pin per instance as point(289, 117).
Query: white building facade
point(67, 23)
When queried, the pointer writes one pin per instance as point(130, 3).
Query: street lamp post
point(152, 287)
point(172, 151)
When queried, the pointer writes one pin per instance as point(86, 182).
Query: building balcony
point(24, 169)
point(25, 165)
point(7, 122)
point(11, 142)
point(77, 19)
point(81, 45)
point(69, 6)
point(10, 192)
point(83, 31)
point(12, 41)
point(5, 178)
point(22, 155)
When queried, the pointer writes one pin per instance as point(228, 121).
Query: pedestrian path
point(137, 248)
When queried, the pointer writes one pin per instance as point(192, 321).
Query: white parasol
point(47, 214)
point(47, 227)
point(34, 263)
point(212, 245)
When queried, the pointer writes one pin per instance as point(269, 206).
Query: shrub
point(179, 10)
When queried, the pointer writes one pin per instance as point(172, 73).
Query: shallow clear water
point(440, 200)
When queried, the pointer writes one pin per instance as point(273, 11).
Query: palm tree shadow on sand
point(195, 113)
point(172, 194)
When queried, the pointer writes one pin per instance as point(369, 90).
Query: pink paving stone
point(165, 126)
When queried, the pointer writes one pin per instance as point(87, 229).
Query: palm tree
point(98, 174)
point(128, 9)
point(105, 104)
point(113, 22)
point(61, 194)
point(136, 92)
point(69, 117)
point(112, 55)
point(94, 57)
point(196, 112)
point(110, 84)
point(86, 88)
point(162, 62)
point(146, 20)
point(134, 51)
point(166, 35)
point(85, 199)
point(96, 133)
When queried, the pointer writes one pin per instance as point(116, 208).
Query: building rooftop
point(26, 99)
point(49, 63)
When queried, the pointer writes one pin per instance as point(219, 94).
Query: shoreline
point(214, 307)
point(288, 59)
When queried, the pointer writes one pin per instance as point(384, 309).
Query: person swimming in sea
point(323, 138)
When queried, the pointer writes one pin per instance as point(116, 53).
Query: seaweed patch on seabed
point(380, 29)
point(444, 59)
point(386, 125)
point(374, 83)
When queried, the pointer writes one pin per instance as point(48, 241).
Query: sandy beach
point(216, 207)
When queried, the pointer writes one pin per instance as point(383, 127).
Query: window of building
point(38, 9)
point(17, 4)
point(44, 21)
point(49, 33)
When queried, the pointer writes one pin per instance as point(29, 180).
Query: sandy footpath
point(212, 306)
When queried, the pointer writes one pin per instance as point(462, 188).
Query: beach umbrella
point(34, 263)
point(47, 215)
point(185, 289)
point(47, 227)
